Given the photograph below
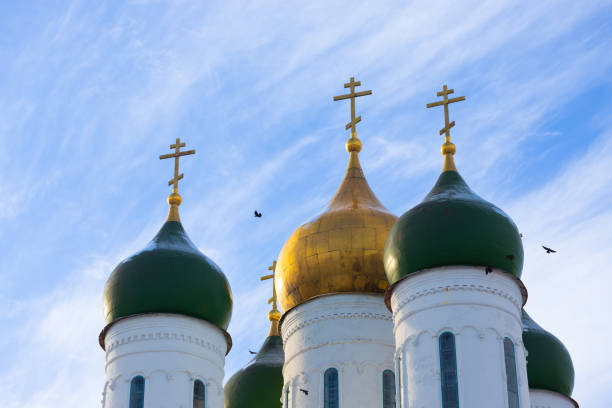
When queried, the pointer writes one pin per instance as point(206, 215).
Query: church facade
point(420, 311)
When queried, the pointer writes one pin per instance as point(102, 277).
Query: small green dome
point(169, 276)
point(549, 365)
point(452, 226)
point(260, 383)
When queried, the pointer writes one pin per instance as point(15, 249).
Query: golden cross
point(177, 153)
point(445, 92)
point(271, 276)
point(352, 95)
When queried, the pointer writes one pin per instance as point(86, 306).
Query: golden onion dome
point(341, 249)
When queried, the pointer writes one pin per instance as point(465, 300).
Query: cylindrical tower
point(454, 263)
point(260, 383)
point(337, 332)
point(166, 309)
point(549, 368)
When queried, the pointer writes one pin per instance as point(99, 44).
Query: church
point(425, 310)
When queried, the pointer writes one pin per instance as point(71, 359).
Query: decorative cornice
point(460, 287)
point(330, 316)
point(162, 336)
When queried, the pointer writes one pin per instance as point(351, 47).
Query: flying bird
point(252, 352)
point(548, 250)
point(257, 214)
point(488, 270)
point(304, 391)
point(510, 257)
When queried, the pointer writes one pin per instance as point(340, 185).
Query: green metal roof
point(452, 226)
point(549, 365)
point(169, 276)
point(260, 383)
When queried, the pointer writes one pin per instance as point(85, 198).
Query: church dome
point(452, 226)
point(549, 365)
point(260, 383)
point(340, 250)
point(170, 275)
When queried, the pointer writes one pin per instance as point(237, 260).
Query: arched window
point(448, 371)
point(199, 394)
point(286, 405)
point(398, 370)
point(511, 378)
point(330, 386)
point(137, 389)
point(388, 382)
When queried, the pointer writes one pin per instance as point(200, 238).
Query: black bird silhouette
point(304, 391)
point(510, 257)
point(252, 352)
point(488, 270)
point(257, 214)
point(548, 250)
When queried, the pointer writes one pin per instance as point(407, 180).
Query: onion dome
point(260, 383)
point(549, 365)
point(452, 226)
point(341, 249)
point(170, 275)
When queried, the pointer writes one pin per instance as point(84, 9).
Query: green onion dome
point(452, 226)
point(260, 383)
point(169, 276)
point(549, 365)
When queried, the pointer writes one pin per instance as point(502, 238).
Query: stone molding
point(460, 287)
point(331, 316)
point(161, 336)
point(340, 342)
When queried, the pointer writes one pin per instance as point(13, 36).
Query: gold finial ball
point(175, 199)
point(274, 315)
point(448, 148)
point(353, 145)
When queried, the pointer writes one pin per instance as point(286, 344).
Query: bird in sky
point(548, 250)
point(304, 391)
point(257, 214)
point(252, 352)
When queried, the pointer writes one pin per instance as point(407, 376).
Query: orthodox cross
point(177, 154)
point(445, 92)
point(271, 276)
point(352, 95)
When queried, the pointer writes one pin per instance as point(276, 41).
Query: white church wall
point(171, 352)
point(480, 310)
point(351, 332)
point(549, 399)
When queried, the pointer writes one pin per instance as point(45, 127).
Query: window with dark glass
point(448, 371)
point(388, 381)
point(137, 389)
point(199, 394)
point(398, 369)
point(286, 397)
point(330, 389)
point(511, 377)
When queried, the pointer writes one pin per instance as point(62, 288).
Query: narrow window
point(137, 389)
point(388, 380)
point(287, 396)
point(199, 394)
point(330, 397)
point(448, 371)
point(398, 369)
point(511, 377)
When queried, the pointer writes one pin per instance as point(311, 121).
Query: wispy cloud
point(92, 94)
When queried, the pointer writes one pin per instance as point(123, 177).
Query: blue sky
point(91, 93)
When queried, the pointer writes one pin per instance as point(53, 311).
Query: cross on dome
point(175, 199)
point(354, 120)
point(448, 148)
